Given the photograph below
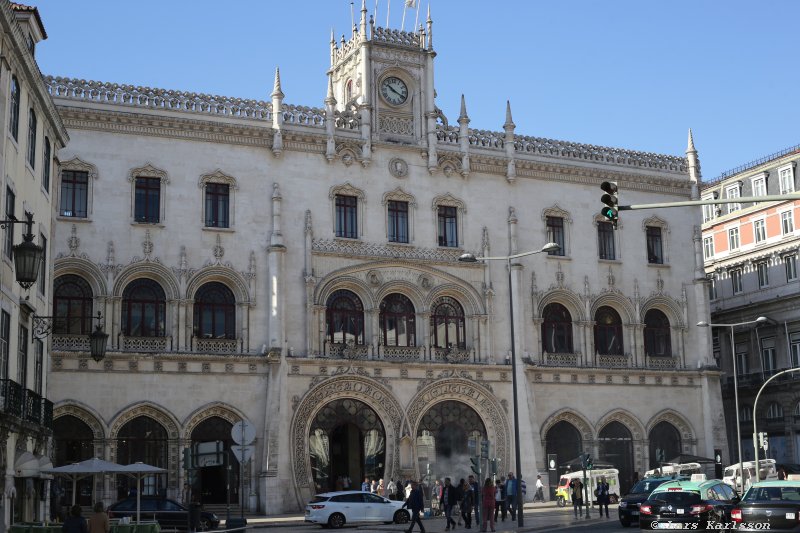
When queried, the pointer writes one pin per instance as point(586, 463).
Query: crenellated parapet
point(396, 37)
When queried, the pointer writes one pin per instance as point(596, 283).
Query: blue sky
point(630, 73)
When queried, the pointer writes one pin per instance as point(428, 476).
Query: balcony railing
point(32, 403)
point(662, 362)
point(146, 344)
point(25, 404)
point(11, 397)
point(206, 345)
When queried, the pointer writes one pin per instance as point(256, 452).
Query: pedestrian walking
point(436, 498)
point(75, 523)
point(499, 500)
point(511, 495)
point(467, 503)
point(98, 522)
point(603, 496)
point(487, 504)
point(381, 488)
point(539, 490)
point(366, 485)
point(477, 492)
point(391, 490)
point(449, 499)
point(416, 504)
point(576, 485)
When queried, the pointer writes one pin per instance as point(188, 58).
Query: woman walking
point(487, 504)
point(467, 502)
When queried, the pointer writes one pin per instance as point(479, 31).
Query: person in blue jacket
point(416, 504)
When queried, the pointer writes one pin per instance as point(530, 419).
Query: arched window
point(556, 329)
point(345, 317)
point(665, 443)
point(143, 309)
point(398, 321)
point(608, 332)
point(746, 413)
point(774, 411)
point(72, 306)
point(73, 442)
point(657, 334)
point(143, 439)
point(447, 324)
point(214, 312)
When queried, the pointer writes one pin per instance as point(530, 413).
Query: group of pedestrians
point(601, 491)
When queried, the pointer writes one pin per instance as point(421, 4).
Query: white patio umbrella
point(86, 468)
point(138, 470)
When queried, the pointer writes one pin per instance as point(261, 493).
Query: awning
point(26, 465)
point(45, 464)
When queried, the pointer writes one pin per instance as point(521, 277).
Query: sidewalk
point(538, 517)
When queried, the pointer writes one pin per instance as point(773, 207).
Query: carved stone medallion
point(398, 168)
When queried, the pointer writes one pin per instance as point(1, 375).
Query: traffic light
point(763, 440)
point(718, 463)
point(428, 469)
point(493, 466)
point(475, 465)
point(611, 201)
point(589, 462)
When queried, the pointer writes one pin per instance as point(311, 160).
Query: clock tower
point(381, 84)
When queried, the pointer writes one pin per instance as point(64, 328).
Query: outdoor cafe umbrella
point(86, 468)
point(138, 470)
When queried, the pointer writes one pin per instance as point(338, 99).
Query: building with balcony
point(297, 267)
point(750, 256)
point(32, 134)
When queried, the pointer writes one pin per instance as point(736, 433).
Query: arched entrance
point(564, 441)
point(665, 443)
point(346, 441)
point(142, 439)
point(616, 447)
point(448, 434)
point(72, 443)
point(210, 435)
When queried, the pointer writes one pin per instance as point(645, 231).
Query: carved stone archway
point(477, 396)
point(218, 409)
point(356, 386)
point(688, 436)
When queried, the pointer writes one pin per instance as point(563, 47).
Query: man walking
point(449, 499)
point(476, 490)
point(511, 495)
point(415, 503)
point(539, 490)
point(577, 497)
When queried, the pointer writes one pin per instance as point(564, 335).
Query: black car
point(688, 505)
point(168, 513)
point(769, 505)
point(629, 504)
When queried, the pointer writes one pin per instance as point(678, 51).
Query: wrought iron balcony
point(11, 401)
point(32, 403)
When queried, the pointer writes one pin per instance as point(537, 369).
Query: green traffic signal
point(611, 200)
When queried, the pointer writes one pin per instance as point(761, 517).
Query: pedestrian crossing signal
point(475, 465)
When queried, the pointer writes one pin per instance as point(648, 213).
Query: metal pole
point(736, 403)
point(517, 458)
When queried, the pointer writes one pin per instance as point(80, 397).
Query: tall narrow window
point(143, 309)
point(398, 321)
point(556, 329)
point(5, 343)
point(759, 187)
point(605, 240)
point(11, 199)
point(346, 216)
point(790, 265)
point(32, 138)
point(13, 123)
point(148, 200)
point(736, 280)
point(447, 324)
point(217, 205)
point(774, 411)
point(733, 192)
point(46, 164)
point(709, 210)
point(787, 222)
point(608, 332)
point(794, 346)
point(22, 356)
point(763, 274)
point(708, 247)
point(712, 288)
point(43, 267)
point(742, 359)
point(74, 193)
point(768, 355)
point(215, 312)
point(345, 318)
point(657, 334)
point(38, 371)
point(733, 238)
point(448, 226)
point(786, 179)
point(398, 221)
point(555, 233)
point(760, 230)
point(655, 248)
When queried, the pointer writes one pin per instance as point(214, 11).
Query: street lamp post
point(469, 258)
point(759, 320)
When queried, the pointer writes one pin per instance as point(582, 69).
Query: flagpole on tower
point(352, 16)
point(388, 7)
point(375, 14)
point(416, 18)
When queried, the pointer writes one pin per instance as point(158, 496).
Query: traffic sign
point(484, 449)
point(242, 453)
point(243, 432)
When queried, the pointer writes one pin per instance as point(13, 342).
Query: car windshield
point(317, 499)
point(563, 481)
point(774, 494)
point(676, 498)
point(730, 472)
point(646, 486)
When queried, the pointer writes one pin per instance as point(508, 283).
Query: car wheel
point(204, 525)
point(625, 523)
point(336, 520)
point(561, 501)
point(401, 517)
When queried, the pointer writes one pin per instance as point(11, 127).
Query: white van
point(767, 470)
point(563, 492)
point(675, 470)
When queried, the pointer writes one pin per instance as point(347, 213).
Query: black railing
point(11, 402)
point(754, 163)
point(47, 413)
point(33, 406)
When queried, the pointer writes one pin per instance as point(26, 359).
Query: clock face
point(394, 90)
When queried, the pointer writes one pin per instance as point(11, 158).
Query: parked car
point(336, 509)
point(772, 505)
point(168, 513)
point(629, 504)
point(688, 505)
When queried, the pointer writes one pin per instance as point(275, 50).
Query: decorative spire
point(463, 114)
point(430, 28)
point(330, 99)
point(690, 147)
point(276, 91)
point(333, 47)
point(509, 123)
point(363, 20)
point(695, 177)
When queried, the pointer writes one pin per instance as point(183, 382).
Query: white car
point(336, 509)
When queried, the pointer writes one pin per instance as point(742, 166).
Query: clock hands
point(395, 91)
